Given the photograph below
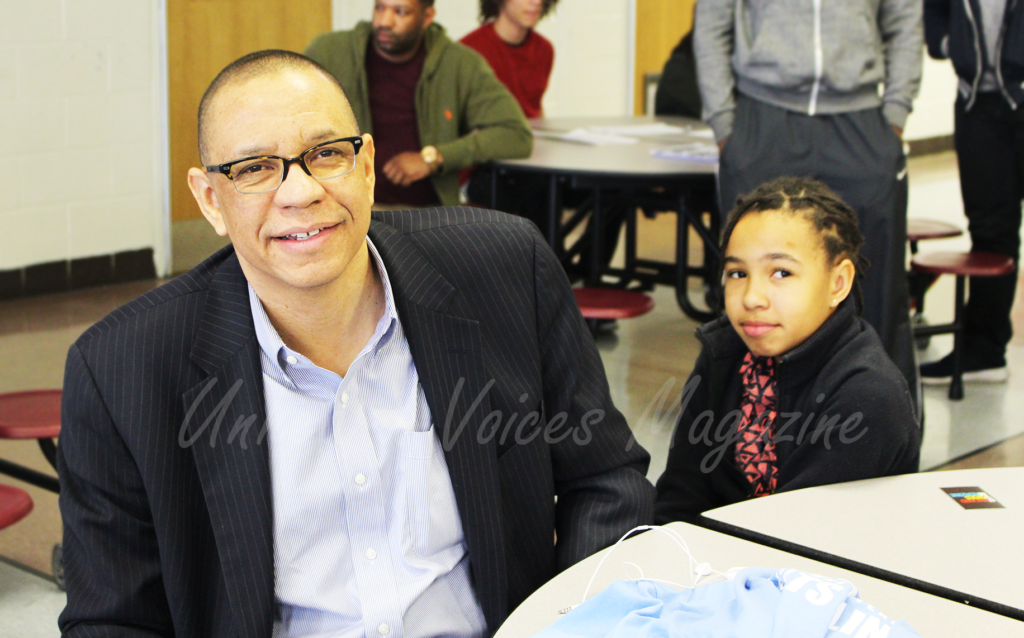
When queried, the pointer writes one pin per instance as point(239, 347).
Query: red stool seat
point(15, 504)
point(34, 414)
point(922, 229)
point(611, 303)
point(973, 264)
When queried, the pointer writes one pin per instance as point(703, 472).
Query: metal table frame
point(670, 192)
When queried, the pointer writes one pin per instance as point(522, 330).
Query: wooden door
point(204, 36)
point(660, 25)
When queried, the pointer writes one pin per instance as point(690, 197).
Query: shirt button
point(383, 629)
point(370, 554)
point(344, 397)
point(360, 479)
point(292, 360)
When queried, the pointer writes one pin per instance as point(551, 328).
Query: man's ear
point(428, 16)
point(842, 279)
point(206, 197)
point(368, 151)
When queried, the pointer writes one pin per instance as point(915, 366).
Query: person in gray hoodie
point(822, 89)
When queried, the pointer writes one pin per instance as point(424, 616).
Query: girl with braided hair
point(792, 388)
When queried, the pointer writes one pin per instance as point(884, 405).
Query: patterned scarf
point(755, 452)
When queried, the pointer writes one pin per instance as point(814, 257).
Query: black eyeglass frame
point(300, 159)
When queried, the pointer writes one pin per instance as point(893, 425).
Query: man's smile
point(306, 234)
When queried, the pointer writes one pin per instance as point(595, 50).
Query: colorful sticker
point(972, 498)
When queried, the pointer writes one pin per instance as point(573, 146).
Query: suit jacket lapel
point(226, 422)
point(448, 356)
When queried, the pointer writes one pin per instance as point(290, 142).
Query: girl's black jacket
point(844, 414)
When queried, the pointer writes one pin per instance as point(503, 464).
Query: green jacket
point(462, 108)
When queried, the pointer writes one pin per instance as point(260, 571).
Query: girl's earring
point(835, 302)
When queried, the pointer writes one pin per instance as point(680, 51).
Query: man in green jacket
point(434, 107)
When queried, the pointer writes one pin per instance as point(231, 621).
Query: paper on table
point(692, 152)
point(704, 133)
point(640, 130)
point(584, 136)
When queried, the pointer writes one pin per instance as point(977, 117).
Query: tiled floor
point(647, 360)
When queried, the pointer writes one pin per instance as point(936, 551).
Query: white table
point(627, 167)
point(908, 526)
point(659, 557)
point(613, 161)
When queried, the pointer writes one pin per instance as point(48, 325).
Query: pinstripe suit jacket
point(165, 480)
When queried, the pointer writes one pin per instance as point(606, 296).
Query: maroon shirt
point(395, 128)
point(524, 68)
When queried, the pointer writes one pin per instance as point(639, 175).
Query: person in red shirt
point(521, 57)
point(522, 60)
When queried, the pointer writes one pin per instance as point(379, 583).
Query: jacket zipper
point(997, 63)
point(818, 59)
point(977, 54)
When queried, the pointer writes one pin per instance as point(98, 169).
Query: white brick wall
point(82, 121)
point(592, 74)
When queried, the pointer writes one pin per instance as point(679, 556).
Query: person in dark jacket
point(678, 92)
point(985, 41)
point(792, 388)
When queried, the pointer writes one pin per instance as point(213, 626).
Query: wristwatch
point(432, 157)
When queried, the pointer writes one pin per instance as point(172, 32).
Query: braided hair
point(833, 218)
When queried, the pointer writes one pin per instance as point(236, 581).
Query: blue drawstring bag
point(759, 602)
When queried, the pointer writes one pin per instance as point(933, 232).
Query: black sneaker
point(941, 372)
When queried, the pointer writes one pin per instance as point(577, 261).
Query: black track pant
point(859, 156)
point(990, 152)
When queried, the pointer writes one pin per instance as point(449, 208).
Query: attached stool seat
point(611, 303)
point(919, 283)
point(33, 414)
point(15, 504)
point(922, 229)
point(963, 265)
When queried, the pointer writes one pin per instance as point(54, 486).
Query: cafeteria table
point(659, 557)
point(639, 180)
point(905, 529)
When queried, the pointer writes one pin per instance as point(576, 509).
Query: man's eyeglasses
point(252, 175)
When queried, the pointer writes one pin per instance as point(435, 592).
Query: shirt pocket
point(433, 516)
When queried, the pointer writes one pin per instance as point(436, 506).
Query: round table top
point(555, 156)
point(908, 525)
point(658, 557)
point(33, 414)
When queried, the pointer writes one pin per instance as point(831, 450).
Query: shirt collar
point(275, 349)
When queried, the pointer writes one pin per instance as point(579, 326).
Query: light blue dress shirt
point(367, 535)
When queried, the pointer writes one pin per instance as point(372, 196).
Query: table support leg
point(594, 278)
point(494, 187)
point(30, 476)
point(683, 262)
point(554, 214)
point(630, 273)
point(956, 386)
point(49, 449)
